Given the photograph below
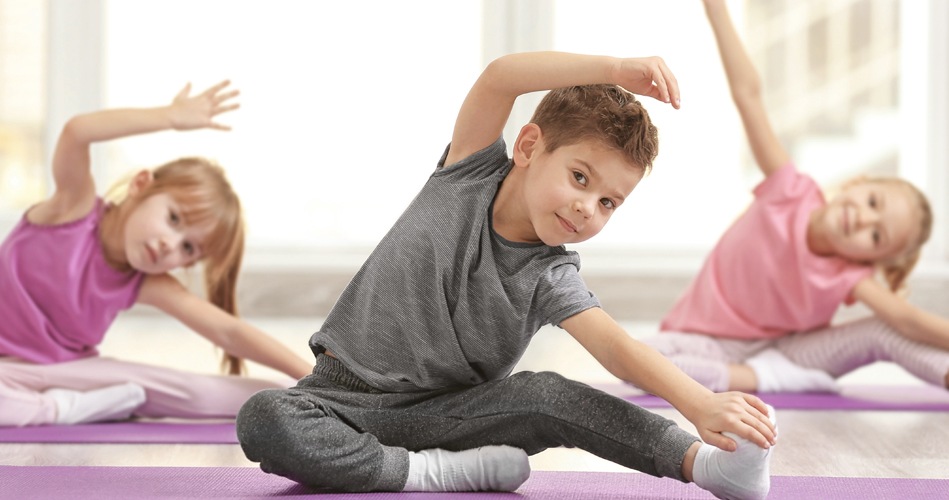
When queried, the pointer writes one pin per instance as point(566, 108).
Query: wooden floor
point(812, 443)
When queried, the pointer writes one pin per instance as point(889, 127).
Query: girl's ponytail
point(208, 200)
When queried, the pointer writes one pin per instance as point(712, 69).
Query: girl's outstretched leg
point(840, 349)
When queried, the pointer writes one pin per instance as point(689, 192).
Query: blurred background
point(347, 106)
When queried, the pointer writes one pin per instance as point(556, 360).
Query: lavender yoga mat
point(123, 432)
point(851, 397)
point(103, 483)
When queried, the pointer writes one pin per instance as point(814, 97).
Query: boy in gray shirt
point(411, 389)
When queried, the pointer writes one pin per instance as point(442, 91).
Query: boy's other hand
point(742, 414)
point(648, 76)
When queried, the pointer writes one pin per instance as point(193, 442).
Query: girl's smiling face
point(869, 221)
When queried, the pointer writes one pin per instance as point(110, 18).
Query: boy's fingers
point(721, 441)
point(672, 85)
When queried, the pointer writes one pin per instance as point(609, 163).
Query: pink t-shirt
point(58, 295)
point(761, 280)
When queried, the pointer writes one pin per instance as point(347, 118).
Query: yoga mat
point(123, 432)
point(851, 397)
point(104, 483)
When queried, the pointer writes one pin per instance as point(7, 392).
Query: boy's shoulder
point(484, 161)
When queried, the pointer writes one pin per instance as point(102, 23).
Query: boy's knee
point(260, 418)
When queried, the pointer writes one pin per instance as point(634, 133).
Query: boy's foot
point(777, 373)
point(115, 402)
point(740, 474)
point(489, 468)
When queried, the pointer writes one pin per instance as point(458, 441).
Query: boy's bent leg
point(291, 433)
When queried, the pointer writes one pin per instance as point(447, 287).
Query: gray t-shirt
point(443, 300)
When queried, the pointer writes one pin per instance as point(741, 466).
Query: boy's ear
point(140, 181)
point(529, 144)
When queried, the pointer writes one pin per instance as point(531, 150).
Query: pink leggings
point(168, 392)
point(836, 350)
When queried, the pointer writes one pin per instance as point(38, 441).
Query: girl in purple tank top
point(74, 262)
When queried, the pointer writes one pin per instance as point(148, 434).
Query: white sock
point(777, 373)
point(115, 402)
point(740, 474)
point(489, 468)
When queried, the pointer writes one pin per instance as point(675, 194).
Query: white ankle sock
point(740, 474)
point(489, 468)
point(115, 402)
point(777, 373)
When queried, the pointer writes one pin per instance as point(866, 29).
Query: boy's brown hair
point(604, 113)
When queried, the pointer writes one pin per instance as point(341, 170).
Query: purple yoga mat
point(103, 483)
point(851, 397)
point(123, 432)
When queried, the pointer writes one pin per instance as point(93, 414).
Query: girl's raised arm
point(745, 85)
point(74, 187)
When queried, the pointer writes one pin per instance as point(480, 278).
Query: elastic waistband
point(333, 370)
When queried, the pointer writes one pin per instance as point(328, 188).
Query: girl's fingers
point(224, 109)
point(217, 88)
point(183, 93)
point(218, 99)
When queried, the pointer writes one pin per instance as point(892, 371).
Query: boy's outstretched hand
point(189, 112)
point(648, 76)
point(742, 414)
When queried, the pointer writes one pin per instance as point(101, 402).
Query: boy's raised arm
point(745, 85)
point(489, 102)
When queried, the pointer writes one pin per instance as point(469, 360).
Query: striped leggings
point(837, 350)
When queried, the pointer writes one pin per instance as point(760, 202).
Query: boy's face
point(572, 192)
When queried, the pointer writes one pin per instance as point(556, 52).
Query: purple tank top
point(58, 295)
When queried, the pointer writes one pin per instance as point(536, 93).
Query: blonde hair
point(896, 269)
point(206, 199)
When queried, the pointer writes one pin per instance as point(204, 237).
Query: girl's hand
point(648, 76)
point(188, 113)
point(742, 414)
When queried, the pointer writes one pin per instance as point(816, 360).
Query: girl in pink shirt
point(757, 316)
point(74, 262)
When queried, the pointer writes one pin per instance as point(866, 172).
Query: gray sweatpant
point(837, 350)
point(333, 431)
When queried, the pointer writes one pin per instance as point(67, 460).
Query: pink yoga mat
point(123, 432)
point(105, 483)
point(853, 397)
